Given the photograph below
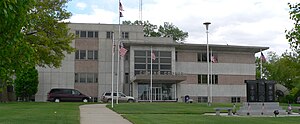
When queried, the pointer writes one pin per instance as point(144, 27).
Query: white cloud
point(234, 22)
point(81, 5)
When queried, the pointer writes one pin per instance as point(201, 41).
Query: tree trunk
point(4, 92)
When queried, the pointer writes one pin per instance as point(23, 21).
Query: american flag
point(153, 56)
point(213, 59)
point(122, 50)
point(120, 9)
point(262, 57)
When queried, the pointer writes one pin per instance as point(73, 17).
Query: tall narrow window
point(109, 35)
point(126, 78)
point(96, 54)
point(125, 35)
point(90, 54)
point(176, 56)
point(83, 34)
point(76, 78)
point(82, 77)
point(77, 33)
point(90, 34)
point(82, 54)
point(202, 79)
point(96, 34)
point(90, 77)
point(96, 77)
point(77, 54)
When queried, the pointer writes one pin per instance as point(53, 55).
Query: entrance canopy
point(159, 78)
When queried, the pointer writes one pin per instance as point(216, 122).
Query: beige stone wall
point(84, 66)
point(234, 79)
point(243, 58)
point(186, 56)
point(190, 79)
point(86, 43)
point(223, 57)
point(90, 89)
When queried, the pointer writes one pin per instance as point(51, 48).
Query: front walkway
point(99, 114)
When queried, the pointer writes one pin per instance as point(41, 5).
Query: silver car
point(106, 97)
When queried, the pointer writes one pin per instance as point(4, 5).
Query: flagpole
point(118, 69)
point(207, 57)
point(151, 75)
point(261, 65)
point(112, 71)
point(141, 10)
point(211, 77)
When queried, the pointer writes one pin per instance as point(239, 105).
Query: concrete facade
point(177, 66)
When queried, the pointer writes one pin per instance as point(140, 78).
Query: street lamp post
point(207, 57)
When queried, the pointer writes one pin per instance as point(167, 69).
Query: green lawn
point(39, 113)
point(181, 113)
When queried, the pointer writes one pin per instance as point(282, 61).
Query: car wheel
point(85, 100)
point(56, 100)
point(109, 100)
point(130, 101)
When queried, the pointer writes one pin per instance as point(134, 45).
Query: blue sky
point(234, 22)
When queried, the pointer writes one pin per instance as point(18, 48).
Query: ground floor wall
point(49, 80)
point(197, 92)
point(220, 93)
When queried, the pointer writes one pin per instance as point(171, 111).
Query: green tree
point(170, 30)
point(284, 70)
point(26, 83)
point(14, 52)
point(51, 38)
point(32, 33)
point(167, 30)
point(293, 35)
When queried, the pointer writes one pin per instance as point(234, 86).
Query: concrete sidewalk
point(99, 114)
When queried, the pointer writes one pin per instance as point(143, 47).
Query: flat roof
point(190, 46)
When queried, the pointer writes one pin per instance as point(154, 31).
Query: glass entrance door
point(160, 92)
point(156, 93)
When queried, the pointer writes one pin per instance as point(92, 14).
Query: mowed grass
point(39, 113)
point(181, 113)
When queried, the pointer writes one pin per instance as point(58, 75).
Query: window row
point(202, 99)
point(235, 99)
point(154, 66)
point(158, 54)
point(86, 54)
point(86, 77)
point(202, 79)
point(202, 57)
point(109, 35)
point(154, 72)
point(87, 34)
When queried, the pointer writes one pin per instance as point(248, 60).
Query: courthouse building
point(179, 69)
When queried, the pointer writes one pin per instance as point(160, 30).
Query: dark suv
point(64, 94)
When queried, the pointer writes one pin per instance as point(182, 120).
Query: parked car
point(65, 94)
point(106, 97)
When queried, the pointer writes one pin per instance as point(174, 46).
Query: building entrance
point(156, 93)
point(160, 92)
